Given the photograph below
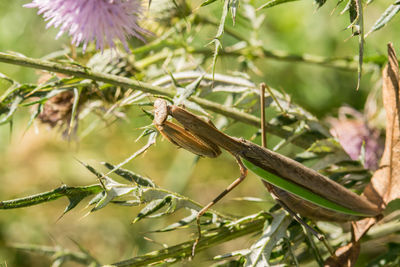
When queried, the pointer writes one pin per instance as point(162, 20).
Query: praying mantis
point(296, 187)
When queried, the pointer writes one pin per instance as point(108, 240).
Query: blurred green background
point(41, 159)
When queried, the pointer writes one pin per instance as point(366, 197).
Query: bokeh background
point(40, 159)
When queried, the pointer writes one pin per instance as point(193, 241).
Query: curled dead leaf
point(385, 183)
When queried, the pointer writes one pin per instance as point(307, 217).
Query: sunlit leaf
point(392, 206)
point(44, 98)
point(181, 223)
point(33, 116)
point(272, 233)
point(242, 252)
point(11, 110)
point(184, 93)
point(386, 16)
point(91, 169)
point(152, 207)
point(5, 83)
point(357, 26)
point(207, 2)
point(75, 194)
point(234, 6)
point(274, 3)
point(131, 176)
point(220, 31)
point(113, 190)
point(325, 146)
point(77, 94)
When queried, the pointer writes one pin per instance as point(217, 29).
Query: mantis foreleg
point(243, 175)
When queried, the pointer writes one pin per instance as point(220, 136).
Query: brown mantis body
point(204, 139)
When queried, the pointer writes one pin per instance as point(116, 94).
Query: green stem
point(83, 72)
point(184, 250)
point(80, 192)
point(55, 194)
point(303, 141)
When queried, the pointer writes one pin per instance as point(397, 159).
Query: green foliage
point(391, 258)
point(387, 16)
point(210, 62)
point(278, 2)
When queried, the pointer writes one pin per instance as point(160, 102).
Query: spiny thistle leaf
point(75, 199)
point(219, 34)
point(181, 223)
point(357, 26)
point(272, 233)
point(234, 7)
point(45, 97)
point(113, 190)
point(152, 207)
point(207, 2)
point(274, 3)
point(324, 146)
point(131, 176)
point(33, 116)
point(184, 93)
point(91, 169)
point(73, 193)
point(5, 83)
point(11, 110)
point(386, 16)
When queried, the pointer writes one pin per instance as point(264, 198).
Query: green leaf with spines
point(130, 176)
point(73, 194)
point(273, 3)
point(207, 2)
point(181, 223)
point(5, 83)
point(261, 250)
point(11, 110)
point(385, 17)
point(152, 207)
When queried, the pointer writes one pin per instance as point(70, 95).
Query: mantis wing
point(300, 191)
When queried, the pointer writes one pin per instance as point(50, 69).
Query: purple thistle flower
point(92, 20)
point(353, 133)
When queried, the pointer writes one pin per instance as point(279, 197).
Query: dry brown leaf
point(385, 183)
point(346, 256)
point(360, 228)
